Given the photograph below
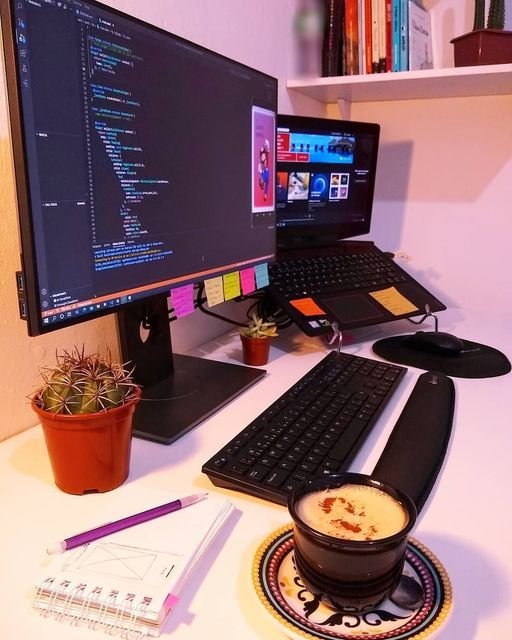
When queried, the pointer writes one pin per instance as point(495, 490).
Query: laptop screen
point(325, 179)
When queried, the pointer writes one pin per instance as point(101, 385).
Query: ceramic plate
point(300, 615)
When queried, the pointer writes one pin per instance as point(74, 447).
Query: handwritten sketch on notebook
point(124, 562)
point(130, 580)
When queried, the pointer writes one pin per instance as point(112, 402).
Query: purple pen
point(124, 523)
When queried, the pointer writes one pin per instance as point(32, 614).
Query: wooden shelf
point(410, 85)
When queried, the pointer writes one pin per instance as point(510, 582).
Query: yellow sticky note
point(214, 291)
point(231, 285)
point(393, 301)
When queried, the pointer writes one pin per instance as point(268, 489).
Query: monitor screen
point(139, 158)
point(325, 178)
point(137, 155)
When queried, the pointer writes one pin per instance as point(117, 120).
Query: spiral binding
point(74, 603)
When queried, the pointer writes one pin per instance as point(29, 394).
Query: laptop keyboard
point(309, 276)
point(316, 427)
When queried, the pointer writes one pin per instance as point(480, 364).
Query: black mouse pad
point(474, 361)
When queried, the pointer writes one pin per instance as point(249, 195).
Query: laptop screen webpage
point(325, 179)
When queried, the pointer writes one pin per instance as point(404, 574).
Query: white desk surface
point(466, 523)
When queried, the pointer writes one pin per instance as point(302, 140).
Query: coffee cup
point(350, 537)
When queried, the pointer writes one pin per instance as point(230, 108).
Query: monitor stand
point(178, 391)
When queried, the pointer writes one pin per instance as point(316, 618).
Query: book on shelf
point(361, 35)
point(381, 30)
point(389, 22)
point(367, 37)
point(351, 38)
point(395, 35)
point(404, 35)
point(420, 38)
point(375, 35)
point(129, 581)
point(332, 44)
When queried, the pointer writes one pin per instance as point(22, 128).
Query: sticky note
point(261, 273)
point(247, 280)
point(182, 299)
point(231, 282)
point(308, 307)
point(214, 291)
point(392, 300)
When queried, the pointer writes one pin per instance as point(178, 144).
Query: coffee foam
point(353, 512)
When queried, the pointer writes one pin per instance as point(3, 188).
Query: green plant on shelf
point(495, 15)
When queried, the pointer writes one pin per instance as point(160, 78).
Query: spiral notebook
point(127, 583)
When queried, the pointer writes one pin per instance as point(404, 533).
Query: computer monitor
point(326, 173)
point(138, 166)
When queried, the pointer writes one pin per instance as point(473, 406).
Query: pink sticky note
point(247, 280)
point(182, 299)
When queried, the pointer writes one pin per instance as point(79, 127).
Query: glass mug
point(349, 547)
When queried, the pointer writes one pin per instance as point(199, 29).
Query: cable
point(263, 305)
point(200, 305)
point(428, 314)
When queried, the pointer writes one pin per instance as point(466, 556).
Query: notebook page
point(132, 572)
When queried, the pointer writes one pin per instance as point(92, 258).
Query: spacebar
point(414, 453)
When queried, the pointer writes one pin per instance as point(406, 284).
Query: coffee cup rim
point(349, 477)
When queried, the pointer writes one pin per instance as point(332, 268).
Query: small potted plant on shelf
point(487, 43)
point(255, 338)
point(85, 406)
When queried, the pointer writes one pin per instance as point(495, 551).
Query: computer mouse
point(437, 342)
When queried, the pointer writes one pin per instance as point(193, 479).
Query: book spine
point(420, 38)
point(382, 36)
point(361, 36)
point(351, 38)
point(341, 27)
point(368, 35)
point(404, 35)
point(389, 41)
point(395, 36)
point(375, 36)
point(332, 46)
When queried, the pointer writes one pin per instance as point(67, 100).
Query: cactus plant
point(495, 15)
point(84, 384)
point(479, 21)
point(258, 328)
point(486, 43)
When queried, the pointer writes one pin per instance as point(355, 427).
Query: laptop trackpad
point(352, 308)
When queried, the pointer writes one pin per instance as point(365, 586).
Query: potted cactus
point(85, 406)
point(255, 338)
point(488, 42)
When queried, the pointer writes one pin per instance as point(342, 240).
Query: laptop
point(325, 180)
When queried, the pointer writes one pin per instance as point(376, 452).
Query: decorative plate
point(301, 615)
